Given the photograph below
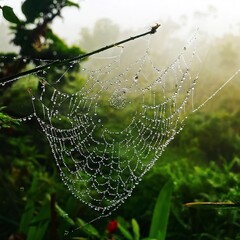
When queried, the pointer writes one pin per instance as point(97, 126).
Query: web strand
point(109, 133)
point(102, 165)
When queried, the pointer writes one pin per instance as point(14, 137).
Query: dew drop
point(135, 79)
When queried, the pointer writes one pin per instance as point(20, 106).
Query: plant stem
point(53, 217)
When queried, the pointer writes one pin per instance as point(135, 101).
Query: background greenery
point(201, 164)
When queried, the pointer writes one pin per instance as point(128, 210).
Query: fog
point(216, 25)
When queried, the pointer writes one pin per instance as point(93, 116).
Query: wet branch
point(80, 57)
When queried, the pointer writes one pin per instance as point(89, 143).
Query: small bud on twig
point(155, 27)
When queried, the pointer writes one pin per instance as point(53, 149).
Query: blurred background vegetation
point(203, 162)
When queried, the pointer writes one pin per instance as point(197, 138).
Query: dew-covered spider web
point(110, 132)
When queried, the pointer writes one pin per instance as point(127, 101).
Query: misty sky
point(213, 16)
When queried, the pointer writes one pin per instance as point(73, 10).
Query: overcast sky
point(214, 16)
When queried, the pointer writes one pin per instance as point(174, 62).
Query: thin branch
point(80, 57)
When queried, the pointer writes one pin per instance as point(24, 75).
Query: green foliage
point(122, 226)
point(205, 183)
point(158, 223)
point(35, 220)
point(88, 229)
point(203, 162)
point(6, 121)
point(211, 136)
point(35, 38)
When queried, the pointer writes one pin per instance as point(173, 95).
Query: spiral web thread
point(106, 136)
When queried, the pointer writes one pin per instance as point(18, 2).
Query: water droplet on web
point(135, 79)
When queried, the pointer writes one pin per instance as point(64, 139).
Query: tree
point(103, 29)
point(24, 155)
point(34, 37)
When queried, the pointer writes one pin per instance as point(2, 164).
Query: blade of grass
point(127, 235)
point(136, 229)
point(161, 211)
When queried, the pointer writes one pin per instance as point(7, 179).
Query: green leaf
point(125, 232)
point(161, 213)
point(9, 15)
point(70, 3)
point(136, 230)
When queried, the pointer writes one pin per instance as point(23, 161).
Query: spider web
point(106, 136)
